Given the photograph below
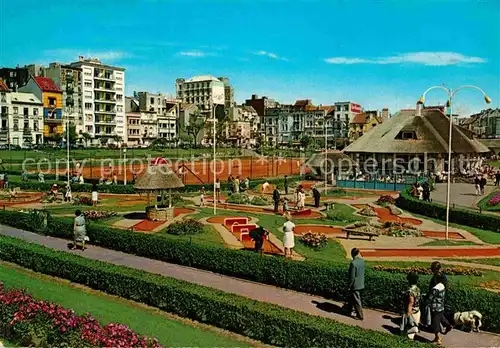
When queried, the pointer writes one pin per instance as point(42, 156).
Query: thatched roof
point(335, 157)
point(430, 130)
point(158, 178)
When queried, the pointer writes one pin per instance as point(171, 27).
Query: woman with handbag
point(411, 304)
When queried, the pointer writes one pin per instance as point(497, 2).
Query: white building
point(166, 110)
point(103, 100)
point(204, 91)
point(344, 114)
point(21, 116)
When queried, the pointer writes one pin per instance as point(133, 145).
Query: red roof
point(46, 84)
point(3, 86)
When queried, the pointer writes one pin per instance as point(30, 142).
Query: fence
point(393, 182)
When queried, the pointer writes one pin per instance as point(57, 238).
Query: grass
point(448, 243)
point(209, 236)
point(492, 261)
point(483, 203)
point(343, 193)
point(145, 320)
point(486, 236)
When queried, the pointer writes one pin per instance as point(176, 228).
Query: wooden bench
point(350, 232)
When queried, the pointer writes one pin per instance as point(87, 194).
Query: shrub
point(261, 200)
point(386, 200)
point(340, 216)
point(187, 227)
point(314, 240)
point(460, 216)
point(265, 322)
point(39, 323)
point(98, 215)
point(238, 198)
point(425, 270)
point(326, 279)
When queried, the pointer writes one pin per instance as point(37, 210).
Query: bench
point(236, 228)
point(350, 232)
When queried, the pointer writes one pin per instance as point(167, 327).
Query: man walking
point(482, 184)
point(477, 185)
point(356, 284)
point(316, 196)
point(276, 198)
point(497, 177)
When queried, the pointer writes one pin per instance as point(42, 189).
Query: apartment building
point(68, 79)
point(51, 96)
point(363, 122)
point(14, 78)
point(103, 101)
point(242, 127)
point(21, 118)
point(206, 92)
point(344, 114)
point(166, 109)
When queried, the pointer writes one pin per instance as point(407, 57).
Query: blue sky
point(377, 53)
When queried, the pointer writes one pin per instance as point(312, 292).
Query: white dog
point(471, 319)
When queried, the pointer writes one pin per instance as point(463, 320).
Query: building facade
point(344, 114)
point(362, 123)
point(68, 79)
point(51, 96)
point(21, 118)
point(206, 92)
point(166, 109)
point(15, 78)
point(103, 101)
point(485, 124)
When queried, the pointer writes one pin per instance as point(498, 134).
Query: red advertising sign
point(356, 108)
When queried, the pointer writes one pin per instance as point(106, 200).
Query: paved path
point(462, 195)
point(314, 305)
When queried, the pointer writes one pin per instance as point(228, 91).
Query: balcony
point(105, 121)
point(104, 89)
point(104, 111)
point(104, 77)
point(105, 101)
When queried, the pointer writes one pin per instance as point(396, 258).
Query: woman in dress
point(302, 200)
point(288, 238)
point(79, 230)
point(411, 314)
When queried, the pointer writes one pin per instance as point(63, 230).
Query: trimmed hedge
point(258, 320)
point(117, 189)
point(325, 279)
point(465, 217)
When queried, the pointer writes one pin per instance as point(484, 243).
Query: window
point(119, 108)
point(152, 100)
point(52, 102)
point(16, 112)
point(119, 97)
point(26, 111)
point(4, 98)
point(88, 84)
point(35, 111)
point(16, 125)
point(35, 126)
point(406, 135)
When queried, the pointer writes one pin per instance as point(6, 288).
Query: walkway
point(314, 305)
point(462, 195)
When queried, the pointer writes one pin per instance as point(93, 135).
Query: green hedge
point(465, 217)
point(265, 322)
point(120, 189)
point(320, 278)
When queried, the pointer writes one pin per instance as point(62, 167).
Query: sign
point(356, 108)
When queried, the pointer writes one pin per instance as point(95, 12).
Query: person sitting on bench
point(258, 234)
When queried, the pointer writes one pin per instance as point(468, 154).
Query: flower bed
point(98, 215)
point(386, 200)
point(261, 200)
point(39, 323)
point(238, 198)
point(314, 240)
point(83, 200)
point(424, 270)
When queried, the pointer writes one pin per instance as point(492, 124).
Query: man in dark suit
point(276, 198)
point(356, 285)
point(316, 196)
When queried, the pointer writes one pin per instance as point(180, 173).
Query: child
point(202, 197)
point(285, 205)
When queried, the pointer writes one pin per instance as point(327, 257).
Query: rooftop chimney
point(80, 58)
point(419, 108)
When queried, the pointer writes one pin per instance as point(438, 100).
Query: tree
point(86, 138)
point(117, 139)
point(58, 138)
point(73, 137)
point(103, 141)
point(306, 141)
point(195, 126)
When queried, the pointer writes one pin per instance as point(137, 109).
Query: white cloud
point(270, 55)
point(424, 58)
point(193, 53)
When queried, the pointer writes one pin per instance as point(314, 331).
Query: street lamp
point(125, 166)
point(326, 156)
point(451, 94)
point(212, 110)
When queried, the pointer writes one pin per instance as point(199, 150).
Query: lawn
point(492, 261)
point(209, 236)
point(171, 331)
point(448, 243)
point(486, 236)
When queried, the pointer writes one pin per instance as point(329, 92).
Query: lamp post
point(451, 94)
point(67, 144)
point(125, 166)
point(326, 156)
